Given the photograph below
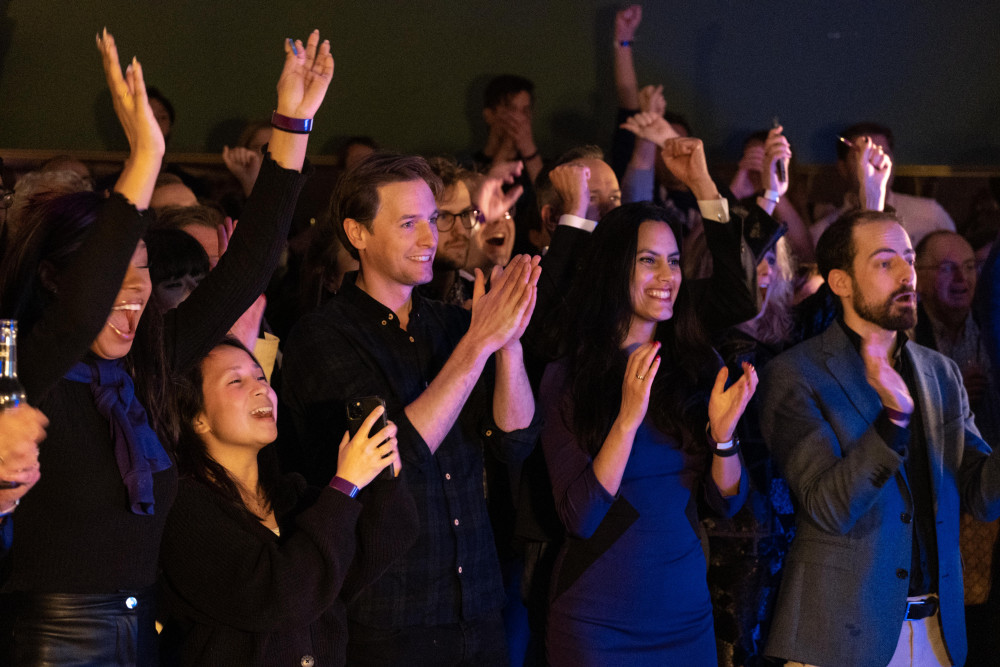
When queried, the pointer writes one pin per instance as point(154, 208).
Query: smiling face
point(656, 278)
point(240, 406)
point(453, 244)
point(399, 248)
point(115, 339)
point(881, 289)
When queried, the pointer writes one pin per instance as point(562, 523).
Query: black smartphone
point(782, 174)
point(358, 410)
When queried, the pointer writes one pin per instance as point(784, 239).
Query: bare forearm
point(513, 402)
point(871, 197)
point(138, 178)
point(798, 235)
point(626, 83)
point(434, 412)
point(726, 472)
point(610, 462)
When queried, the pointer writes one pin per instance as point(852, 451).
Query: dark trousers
point(478, 643)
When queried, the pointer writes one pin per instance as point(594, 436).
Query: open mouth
point(906, 298)
point(497, 240)
point(124, 318)
point(421, 258)
point(263, 412)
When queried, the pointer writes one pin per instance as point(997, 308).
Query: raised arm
point(257, 242)
point(91, 280)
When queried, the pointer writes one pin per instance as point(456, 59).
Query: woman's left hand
point(726, 406)
point(305, 78)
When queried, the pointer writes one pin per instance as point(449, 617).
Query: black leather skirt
point(60, 629)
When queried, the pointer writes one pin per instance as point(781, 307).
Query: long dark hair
point(47, 238)
point(193, 459)
point(598, 313)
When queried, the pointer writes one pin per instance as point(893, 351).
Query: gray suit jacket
point(844, 588)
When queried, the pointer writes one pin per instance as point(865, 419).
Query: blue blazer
point(843, 593)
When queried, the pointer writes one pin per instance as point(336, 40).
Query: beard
point(889, 314)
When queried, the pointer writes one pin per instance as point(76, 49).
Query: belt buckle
point(924, 608)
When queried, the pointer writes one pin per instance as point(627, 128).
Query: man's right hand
point(886, 381)
point(571, 184)
point(498, 315)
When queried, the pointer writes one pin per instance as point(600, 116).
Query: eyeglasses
point(469, 218)
point(949, 269)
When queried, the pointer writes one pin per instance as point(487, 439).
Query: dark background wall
point(410, 73)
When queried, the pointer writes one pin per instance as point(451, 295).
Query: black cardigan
point(238, 595)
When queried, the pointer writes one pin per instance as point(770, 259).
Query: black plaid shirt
point(353, 346)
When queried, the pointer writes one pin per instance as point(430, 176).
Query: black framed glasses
point(469, 218)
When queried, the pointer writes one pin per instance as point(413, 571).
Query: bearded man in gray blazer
point(878, 444)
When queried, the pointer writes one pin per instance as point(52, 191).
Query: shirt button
point(901, 573)
point(905, 517)
point(384, 322)
point(390, 316)
point(460, 569)
point(131, 602)
point(411, 339)
point(456, 522)
point(489, 432)
point(307, 661)
point(447, 475)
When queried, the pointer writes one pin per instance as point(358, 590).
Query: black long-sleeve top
point(74, 532)
point(237, 594)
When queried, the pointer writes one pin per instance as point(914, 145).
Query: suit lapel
point(928, 401)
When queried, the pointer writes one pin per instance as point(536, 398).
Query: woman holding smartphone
point(81, 572)
point(256, 567)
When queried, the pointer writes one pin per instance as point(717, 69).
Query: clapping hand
point(500, 316)
point(640, 371)
point(726, 406)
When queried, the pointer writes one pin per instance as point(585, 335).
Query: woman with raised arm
point(638, 429)
point(257, 568)
point(79, 576)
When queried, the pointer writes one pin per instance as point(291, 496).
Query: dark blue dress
point(629, 585)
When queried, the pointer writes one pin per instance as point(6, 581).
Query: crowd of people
point(497, 411)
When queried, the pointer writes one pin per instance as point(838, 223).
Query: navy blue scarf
point(137, 449)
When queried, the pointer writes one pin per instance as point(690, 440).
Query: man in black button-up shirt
point(453, 383)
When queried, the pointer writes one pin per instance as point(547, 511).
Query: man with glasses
point(456, 218)
point(946, 282)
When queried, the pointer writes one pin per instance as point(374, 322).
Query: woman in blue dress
point(637, 434)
